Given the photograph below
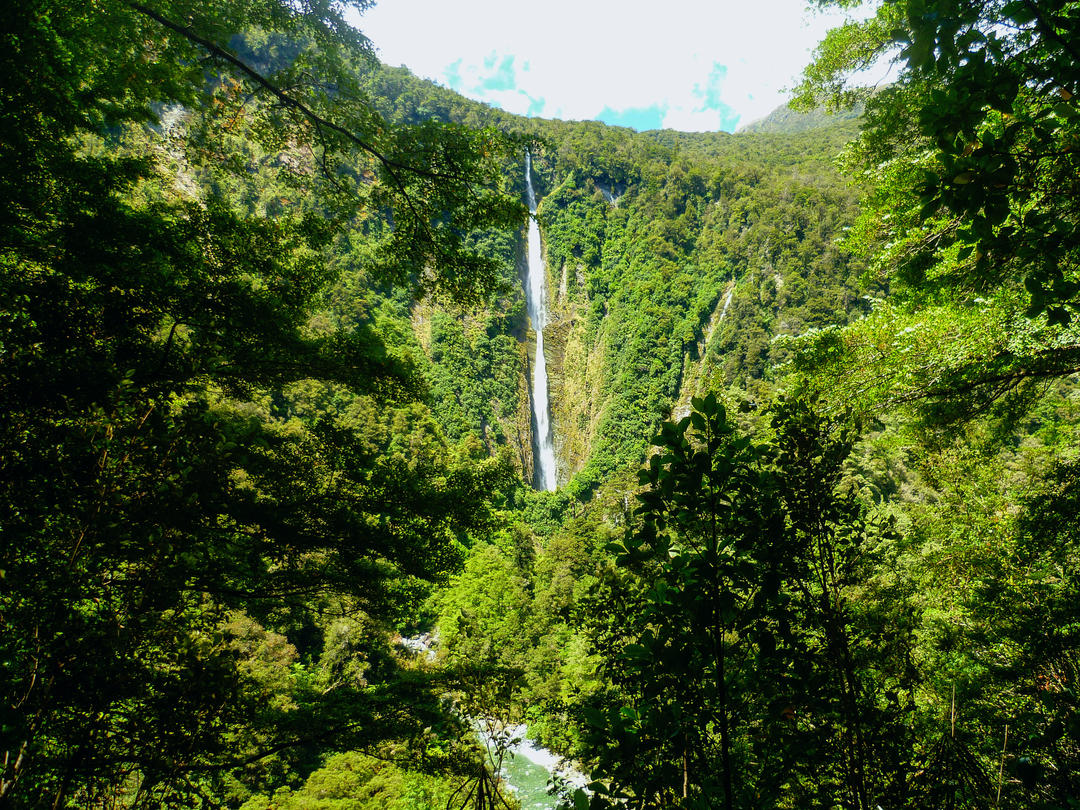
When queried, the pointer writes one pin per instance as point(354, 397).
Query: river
point(527, 771)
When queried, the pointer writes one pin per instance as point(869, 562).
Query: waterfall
point(536, 301)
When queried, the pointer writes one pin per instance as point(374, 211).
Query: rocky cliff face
point(699, 366)
point(572, 397)
point(520, 432)
point(576, 372)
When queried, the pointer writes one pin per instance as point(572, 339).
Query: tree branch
point(288, 101)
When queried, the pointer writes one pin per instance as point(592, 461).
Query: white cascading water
point(536, 301)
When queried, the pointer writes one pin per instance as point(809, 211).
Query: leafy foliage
point(196, 469)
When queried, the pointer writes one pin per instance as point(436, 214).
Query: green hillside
point(786, 121)
point(645, 236)
point(270, 538)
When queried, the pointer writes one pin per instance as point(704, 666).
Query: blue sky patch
point(502, 77)
point(710, 93)
point(639, 118)
point(729, 119)
point(452, 74)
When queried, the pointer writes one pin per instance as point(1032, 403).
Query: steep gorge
point(647, 239)
point(680, 282)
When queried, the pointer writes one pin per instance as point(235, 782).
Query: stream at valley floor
point(527, 770)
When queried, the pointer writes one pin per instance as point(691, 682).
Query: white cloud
point(584, 55)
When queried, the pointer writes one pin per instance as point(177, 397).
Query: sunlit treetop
point(985, 106)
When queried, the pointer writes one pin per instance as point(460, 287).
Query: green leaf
point(1020, 11)
point(593, 717)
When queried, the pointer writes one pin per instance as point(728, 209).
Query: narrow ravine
point(528, 769)
point(536, 302)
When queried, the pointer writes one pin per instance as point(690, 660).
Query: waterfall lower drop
point(536, 301)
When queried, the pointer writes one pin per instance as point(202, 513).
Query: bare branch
point(288, 101)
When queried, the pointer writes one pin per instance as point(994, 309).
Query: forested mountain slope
point(785, 120)
point(672, 261)
point(264, 415)
point(863, 593)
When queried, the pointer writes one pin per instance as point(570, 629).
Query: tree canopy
point(970, 159)
point(175, 175)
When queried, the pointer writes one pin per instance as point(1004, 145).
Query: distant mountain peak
point(786, 121)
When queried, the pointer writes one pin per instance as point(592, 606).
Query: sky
point(692, 65)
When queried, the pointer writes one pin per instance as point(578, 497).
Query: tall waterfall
point(536, 301)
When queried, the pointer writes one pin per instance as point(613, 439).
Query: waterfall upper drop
point(536, 301)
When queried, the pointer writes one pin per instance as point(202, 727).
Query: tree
point(705, 561)
point(743, 672)
point(150, 496)
point(849, 678)
point(971, 163)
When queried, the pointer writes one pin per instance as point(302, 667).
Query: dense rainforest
point(270, 533)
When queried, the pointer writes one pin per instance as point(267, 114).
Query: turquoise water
point(528, 782)
point(527, 768)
